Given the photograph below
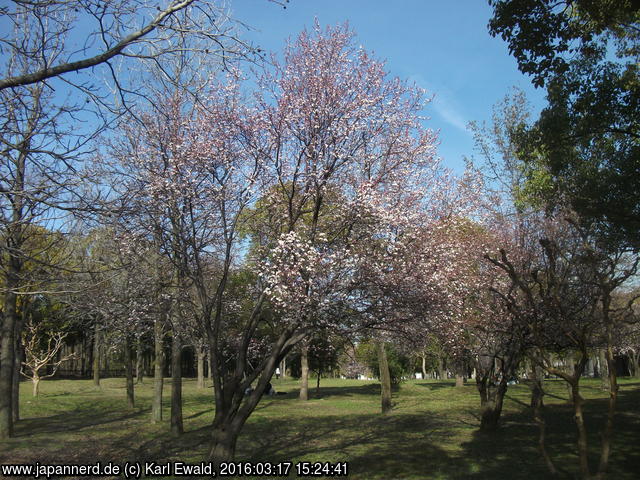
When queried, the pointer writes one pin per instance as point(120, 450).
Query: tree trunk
point(7, 359)
point(283, 368)
point(176, 386)
point(96, 356)
point(223, 445)
point(233, 408)
point(210, 366)
point(128, 357)
point(607, 433)
point(385, 378)
point(36, 385)
point(424, 367)
point(583, 452)
point(139, 362)
point(537, 391)
point(537, 404)
point(201, 357)
point(15, 391)
point(491, 405)
point(304, 379)
point(318, 383)
point(158, 370)
point(635, 362)
point(604, 369)
point(442, 372)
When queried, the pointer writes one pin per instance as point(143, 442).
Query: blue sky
point(444, 46)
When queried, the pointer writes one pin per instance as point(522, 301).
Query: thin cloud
point(444, 104)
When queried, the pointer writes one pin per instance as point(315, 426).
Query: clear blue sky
point(444, 46)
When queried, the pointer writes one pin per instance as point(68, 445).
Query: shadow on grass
point(402, 445)
point(349, 391)
point(87, 415)
point(512, 452)
point(376, 446)
point(437, 385)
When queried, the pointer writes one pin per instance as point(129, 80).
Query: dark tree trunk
point(210, 367)
point(537, 402)
point(635, 363)
point(491, 401)
point(607, 432)
point(385, 378)
point(15, 399)
point(7, 360)
point(128, 354)
point(492, 377)
point(537, 391)
point(223, 443)
point(200, 357)
point(304, 379)
point(96, 356)
point(583, 452)
point(139, 362)
point(158, 370)
point(318, 383)
point(233, 407)
point(176, 386)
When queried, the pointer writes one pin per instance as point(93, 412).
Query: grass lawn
point(430, 434)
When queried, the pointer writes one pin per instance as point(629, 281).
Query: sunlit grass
point(430, 434)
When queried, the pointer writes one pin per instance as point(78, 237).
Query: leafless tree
point(41, 349)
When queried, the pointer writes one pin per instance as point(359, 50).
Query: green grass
point(431, 433)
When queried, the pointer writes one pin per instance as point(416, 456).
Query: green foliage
point(584, 150)
point(400, 365)
point(545, 35)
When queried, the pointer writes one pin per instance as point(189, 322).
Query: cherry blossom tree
point(327, 139)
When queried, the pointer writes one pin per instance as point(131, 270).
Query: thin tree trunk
point(424, 367)
point(139, 362)
point(318, 384)
point(36, 385)
point(385, 378)
point(15, 391)
point(158, 370)
point(201, 357)
point(604, 370)
point(304, 379)
point(128, 356)
point(210, 365)
point(607, 433)
point(537, 391)
point(283, 368)
point(542, 428)
point(96, 356)
point(635, 361)
point(176, 386)
point(7, 360)
point(583, 451)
